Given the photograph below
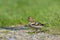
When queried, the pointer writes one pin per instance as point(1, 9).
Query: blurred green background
point(16, 11)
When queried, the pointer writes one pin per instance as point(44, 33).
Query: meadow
point(14, 12)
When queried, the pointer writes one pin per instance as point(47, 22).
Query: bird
point(33, 23)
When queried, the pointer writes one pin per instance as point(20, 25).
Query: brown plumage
point(30, 19)
point(33, 23)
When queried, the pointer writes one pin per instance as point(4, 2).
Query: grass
point(16, 12)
